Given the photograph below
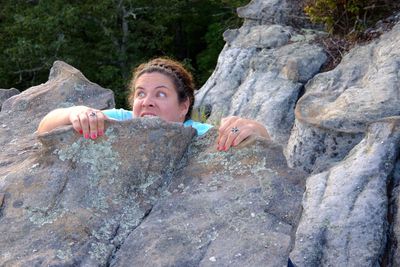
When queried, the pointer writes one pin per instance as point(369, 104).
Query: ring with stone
point(234, 130)
point(92, 114)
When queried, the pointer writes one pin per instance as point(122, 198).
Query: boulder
point(6, 94)
point(324, 190)
point(73, 201)
point(148, 193)
point(332, 115)
point(20, 115)
point(262, 69)
point(345, 209)
point(233, 208)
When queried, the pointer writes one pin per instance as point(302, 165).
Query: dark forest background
point(106, 39)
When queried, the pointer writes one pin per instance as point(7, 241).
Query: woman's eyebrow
point(157, 87)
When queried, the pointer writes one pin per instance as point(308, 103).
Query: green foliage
point(348, 16)
point(105, 39)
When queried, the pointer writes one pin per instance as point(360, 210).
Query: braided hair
point(182, 79)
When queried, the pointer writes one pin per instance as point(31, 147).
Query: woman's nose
point(148, 101)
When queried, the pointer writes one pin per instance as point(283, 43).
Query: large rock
point(21, 114)
point(6, 94)
point(227, 209)
point(145, 194)
point(261, 71)
point(332, 115)
point(149, 194)
point(345, 209)
point(74, 201)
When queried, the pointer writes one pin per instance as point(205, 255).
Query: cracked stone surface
point(324, 190)
point(262, 69)
point(231, 209)
point(339, 104)
point(344, 222)
point(73, 201)
point(6, 94)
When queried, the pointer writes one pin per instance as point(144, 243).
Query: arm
point(234, 130)
point(80, 117)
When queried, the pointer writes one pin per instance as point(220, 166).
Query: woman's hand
point(85, 120)
point(234, 130)
point(88, 122)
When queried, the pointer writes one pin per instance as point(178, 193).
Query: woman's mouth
point(146, 114)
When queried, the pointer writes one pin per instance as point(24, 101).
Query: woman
point(161, 87)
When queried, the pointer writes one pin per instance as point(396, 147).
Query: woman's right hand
point(89, 122)
point(85, 120)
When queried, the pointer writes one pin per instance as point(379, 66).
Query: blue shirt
point(123, 115)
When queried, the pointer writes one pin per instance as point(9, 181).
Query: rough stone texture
point(344, 222)
point(21, 114)
point(149, 195)
point(66, 87)
point(141, 195)
point(6, 94)
point(262, 69)
point(74, 201)
point(226, 209)
point(340, 103)
point(283, 12)
point(394, 216)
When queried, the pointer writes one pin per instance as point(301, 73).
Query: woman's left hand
point(234, 130)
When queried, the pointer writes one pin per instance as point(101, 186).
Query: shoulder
point(118, 114)
point(201, 128)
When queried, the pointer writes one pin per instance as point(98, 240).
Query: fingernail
point(80, 131)
point(94, 136)
point(100, 133)
point(225, 148)
point(86, 136)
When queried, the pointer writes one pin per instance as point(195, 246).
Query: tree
point(105, 39)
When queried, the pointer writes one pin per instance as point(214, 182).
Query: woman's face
point(155, 95)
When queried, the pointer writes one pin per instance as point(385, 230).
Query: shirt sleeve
point(118, 114)
point(201, 128)
point(123, 115)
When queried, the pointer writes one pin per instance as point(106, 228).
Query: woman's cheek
point(136, 108)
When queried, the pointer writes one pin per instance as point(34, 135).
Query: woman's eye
point(162, 94)
point(140, 94)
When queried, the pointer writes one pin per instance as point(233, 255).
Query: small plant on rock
point(347, 17)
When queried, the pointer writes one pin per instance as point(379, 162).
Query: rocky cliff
point(323, 191)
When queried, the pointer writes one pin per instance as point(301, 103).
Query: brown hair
point(182, 79)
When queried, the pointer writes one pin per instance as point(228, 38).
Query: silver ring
point(234, 130)
point(92, 114)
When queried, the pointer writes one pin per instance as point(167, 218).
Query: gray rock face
point(283, 12)
point(79, 199)
point(344, 222)
point(146, 194)
point(226, 209)
point(6, 94)
point(340, 103)
point(261, 71)
point(151, 194)
point(21, 114)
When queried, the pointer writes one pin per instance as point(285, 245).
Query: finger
point(229, 140)
point(76, 124)
point(226, 122)
point(92, 115)
point(232, 137)
point(100, 123)
point(243, 135)
point(221, 141)
point(84, 121)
